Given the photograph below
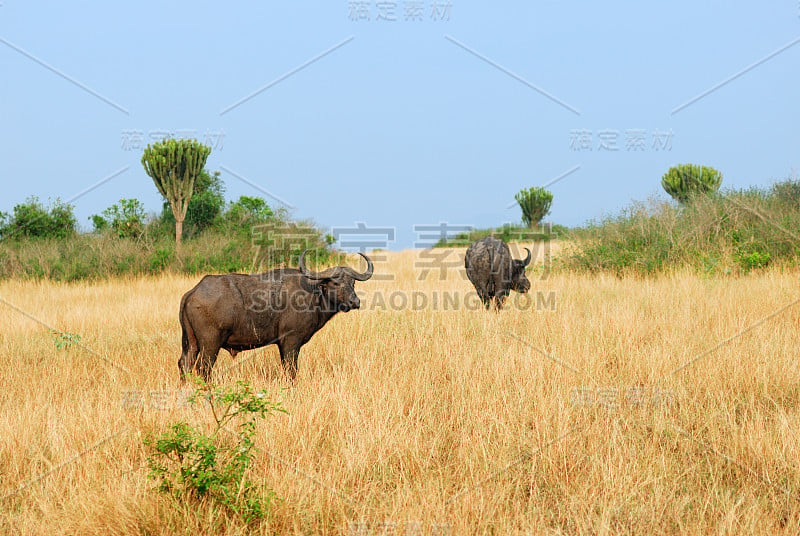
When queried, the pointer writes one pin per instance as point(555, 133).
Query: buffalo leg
point(187, 361)
point(203, 358)
point(485, 297)
point(206, 361)
point(289, 355)
point(188, 347)
point(500, 299)
point(184, 365)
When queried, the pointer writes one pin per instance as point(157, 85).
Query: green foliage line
point(507, 233)
point(245, 235)
point(732, 232)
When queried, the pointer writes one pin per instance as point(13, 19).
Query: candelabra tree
point(174, 165)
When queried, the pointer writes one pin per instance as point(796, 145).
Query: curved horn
point(334, 272)
point(366, 275)
point(527, 260)
point(305, 271)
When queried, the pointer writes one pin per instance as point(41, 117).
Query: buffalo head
point(519, 282)
point(336, 285)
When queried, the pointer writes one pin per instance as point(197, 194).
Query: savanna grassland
point(628, 405)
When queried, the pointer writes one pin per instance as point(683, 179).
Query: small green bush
point(787, 192)
point(33, 220)
point(249, 211)
point(64, 339)
point(191, 465)
point(99, 223)
point(159, 260)
point(126, 219)
point(753, 260)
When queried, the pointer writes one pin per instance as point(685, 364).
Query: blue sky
point(440, 115)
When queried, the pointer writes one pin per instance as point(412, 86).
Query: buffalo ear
point(313, 286)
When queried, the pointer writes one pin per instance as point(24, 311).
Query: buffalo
point(493, 272)
point(284, 306)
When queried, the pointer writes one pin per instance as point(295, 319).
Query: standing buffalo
point(285, 306)
point(493, 272)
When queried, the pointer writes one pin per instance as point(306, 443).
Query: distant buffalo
point(285, 306)
point(493, 272)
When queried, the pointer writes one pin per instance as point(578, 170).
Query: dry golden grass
point(426, 421)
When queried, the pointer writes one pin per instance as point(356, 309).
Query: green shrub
point(33, 220)
point(638, 241)
point(249, 211)
point(126, 219)
point(64, 339)
point(199, 467)
point(787, 192)
point(99, 223)
point(159, 260)
point(753, 259)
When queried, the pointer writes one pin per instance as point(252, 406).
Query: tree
point(208, 200)
point(174, 166)
point(205, 206)
point(249, 210)
point(684, 181)
point(535, 204)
